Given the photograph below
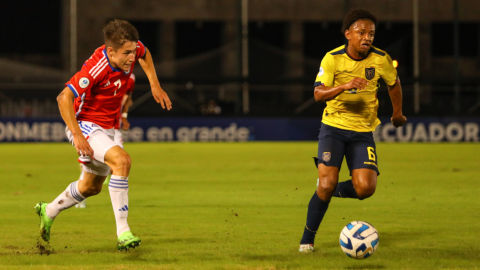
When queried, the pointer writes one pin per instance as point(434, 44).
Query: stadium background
point(242, 79)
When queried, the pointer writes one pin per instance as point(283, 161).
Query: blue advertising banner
point(243, 129)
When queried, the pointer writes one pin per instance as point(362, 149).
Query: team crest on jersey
point(369, 73)
point(326, 156)
point(84, 82)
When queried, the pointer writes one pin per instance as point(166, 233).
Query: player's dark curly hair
point(355, 15)
point(117, 32)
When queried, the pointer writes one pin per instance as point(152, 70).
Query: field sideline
point(243, 206)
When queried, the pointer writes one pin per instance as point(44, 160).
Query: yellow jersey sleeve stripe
point(377, 51)
point(342, 51)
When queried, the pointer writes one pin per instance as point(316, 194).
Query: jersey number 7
point(118, 83)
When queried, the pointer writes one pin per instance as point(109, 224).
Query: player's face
point(360, 36)
point(124, 57)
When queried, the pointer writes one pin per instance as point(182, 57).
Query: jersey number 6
point(371, 153)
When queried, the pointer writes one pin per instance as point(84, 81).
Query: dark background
point(32, 34)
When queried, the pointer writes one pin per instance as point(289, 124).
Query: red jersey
point(99, 88)
point(130, 86)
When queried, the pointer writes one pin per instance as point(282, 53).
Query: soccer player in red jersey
point(90, 105)
point(123, 123)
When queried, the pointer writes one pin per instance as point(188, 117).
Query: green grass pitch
point(243, 206)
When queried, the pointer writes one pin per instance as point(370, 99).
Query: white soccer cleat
point(82, 204)
point(306, 248)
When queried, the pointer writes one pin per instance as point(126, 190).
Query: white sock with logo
point(118, 188)
point(68, 198)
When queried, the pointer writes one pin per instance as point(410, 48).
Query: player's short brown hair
point(117, 32)
point(355, 15)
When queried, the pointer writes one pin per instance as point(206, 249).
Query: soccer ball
point(359, 239)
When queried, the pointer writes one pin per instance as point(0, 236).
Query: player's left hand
point(398, 120)
point(125, 124)
point(161, 97)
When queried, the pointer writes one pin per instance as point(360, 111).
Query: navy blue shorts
point(357, 147)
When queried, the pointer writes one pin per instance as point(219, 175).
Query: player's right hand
point(356, 83)
point(161, 97)
point(82, 146)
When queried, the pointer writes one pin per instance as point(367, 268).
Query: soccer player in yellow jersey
point(348, 82)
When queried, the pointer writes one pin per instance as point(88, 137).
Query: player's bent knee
point(326, 187)
point(327, 181)
point(117, 157)
point(364, 182)
point(366, 191)
point(125, 160)
point(122, 160)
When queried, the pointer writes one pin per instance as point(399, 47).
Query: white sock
point(118, 187)
point(81, 176)
point(68, 198)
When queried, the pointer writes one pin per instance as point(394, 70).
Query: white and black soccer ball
point(359, 239)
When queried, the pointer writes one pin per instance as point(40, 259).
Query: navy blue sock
point(345, 190)
point(316, 211)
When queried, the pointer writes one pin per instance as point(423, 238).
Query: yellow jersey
point(354, 109)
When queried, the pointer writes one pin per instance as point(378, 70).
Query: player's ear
point(110, 51)
point(347, 34)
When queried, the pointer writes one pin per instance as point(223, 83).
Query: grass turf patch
point(243, 206)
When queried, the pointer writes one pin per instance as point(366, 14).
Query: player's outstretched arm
point(324, 93)
point(395, 92)
point(158, 93)
point(65, 104)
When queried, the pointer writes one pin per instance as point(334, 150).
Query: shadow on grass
point(270, 257)
point(366, 266)
point(414, 246)
point(187, 240)
point(138, 257)
point(292, 261)
point(388, 239)
point(202, 256)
